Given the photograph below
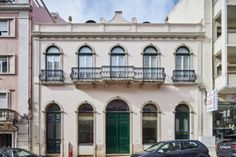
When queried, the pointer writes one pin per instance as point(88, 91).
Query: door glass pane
point(3, 100)
point(56, 62)
point(121, 61)
point(82, 61)
point(176, 124)
point(154, 61)
point(186, 62)
point(89, 62)
point(50, 65)
point(185, 124)
point(178, 62)
point(114, 61)
point(149, 128)
point(146, 61)
point(86, 128)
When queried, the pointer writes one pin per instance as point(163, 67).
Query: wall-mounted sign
point(212, 101)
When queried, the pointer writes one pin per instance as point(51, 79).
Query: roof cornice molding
point(193, 35)
point(15, 7)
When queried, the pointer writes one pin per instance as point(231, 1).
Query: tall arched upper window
point(53, 128)
point(149, 124)
point(85, 57)
point(117, 56)
point(182, 60)
point(85, 63)
point(53, 58)
point(85, 124)
point(150, 57)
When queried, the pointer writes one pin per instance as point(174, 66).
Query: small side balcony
point(8, 115)
point(117, 73)
point(184, 76)
point(51, 76)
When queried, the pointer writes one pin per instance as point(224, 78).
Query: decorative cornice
point(171, 35)
point(15, 7)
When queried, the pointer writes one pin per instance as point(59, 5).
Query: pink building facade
point(15, 26)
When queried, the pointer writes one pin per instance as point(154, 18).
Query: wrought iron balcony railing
point(184, 76)
point(86, 73)
point(7, 1)
point(149, 74)
point(51, 75)
point(9, 115)
point(117, 73)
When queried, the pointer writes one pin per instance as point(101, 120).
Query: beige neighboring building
point(115, 87)
point(219, 19)
point(15, 83)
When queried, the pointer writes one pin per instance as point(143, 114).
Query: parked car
point(3, 154)
point(177, 148)
point(227, 146)
point(16, 152)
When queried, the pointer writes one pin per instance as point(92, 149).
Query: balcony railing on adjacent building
point(9, 115)
point(184, 76)
point(117, 73)
point(7, 1)
point(51, 76)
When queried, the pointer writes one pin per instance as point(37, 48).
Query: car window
point(21, 153)
point(188, 145)
point(154, 147)
point(169, 147)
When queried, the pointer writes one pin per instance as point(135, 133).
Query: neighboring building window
point(53, 58)
point(117, 56)
point(85, 124)
point(182, 58)
point(149, 124)
point(4, 100)
point(53, 129)
point(4, 64)
point(4, 28)
point(150, 57)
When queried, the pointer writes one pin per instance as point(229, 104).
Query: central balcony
point(182, 76)
point(8, 115)
point(117, 73)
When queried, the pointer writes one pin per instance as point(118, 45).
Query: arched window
point(150, 57)
point(117, 56)
point(85, 62)
point(85, 124)
point(150, 63)
point(53, 58)
point(53, 128)
point(85, 57)
point(149, 124)
point(182, 122)
point(182, 58)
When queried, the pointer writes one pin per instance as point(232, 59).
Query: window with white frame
point(182, 60)
point(4, 64)
point(4, 100)
point(4, 31)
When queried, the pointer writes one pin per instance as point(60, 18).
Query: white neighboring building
point(219, 20)
point(116, 87)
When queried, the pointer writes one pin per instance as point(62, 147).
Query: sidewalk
point(212, 152)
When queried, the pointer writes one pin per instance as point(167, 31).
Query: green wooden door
point(117, 133)
point(182, 126)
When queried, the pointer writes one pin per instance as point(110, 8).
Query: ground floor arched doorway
point(117, 127)
point(182, 129)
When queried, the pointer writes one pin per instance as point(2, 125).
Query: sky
point(82, 10)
